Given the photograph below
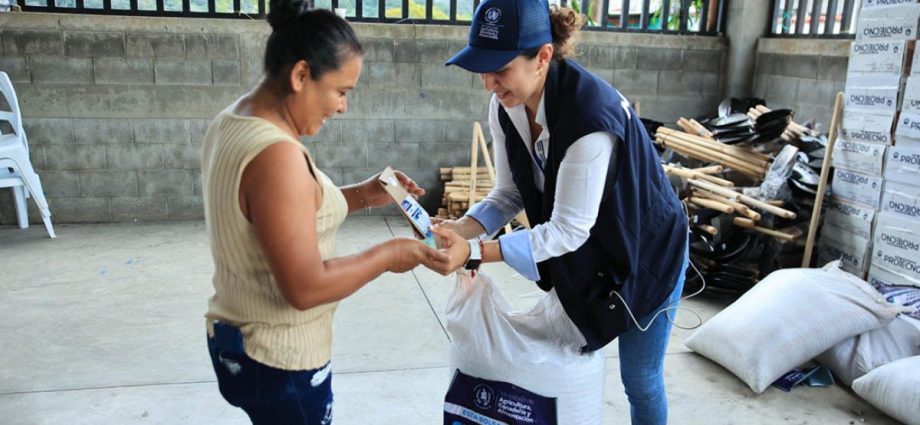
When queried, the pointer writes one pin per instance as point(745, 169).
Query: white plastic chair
point(14, 155)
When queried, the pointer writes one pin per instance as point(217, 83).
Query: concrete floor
point(105, 326)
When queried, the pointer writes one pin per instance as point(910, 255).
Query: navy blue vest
point(638, 244)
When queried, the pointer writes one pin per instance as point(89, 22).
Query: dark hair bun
point(284, 13)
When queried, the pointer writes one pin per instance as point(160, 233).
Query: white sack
point(857, 356)
point(894, 389)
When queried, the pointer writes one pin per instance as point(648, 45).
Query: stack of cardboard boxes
point(873, 219)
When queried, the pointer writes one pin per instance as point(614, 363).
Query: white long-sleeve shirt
point(579, 188)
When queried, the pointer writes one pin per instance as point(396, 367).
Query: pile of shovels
point(739, 234)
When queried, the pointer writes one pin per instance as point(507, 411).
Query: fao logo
point(493, 15)
point(896, 155)
point(483, 396)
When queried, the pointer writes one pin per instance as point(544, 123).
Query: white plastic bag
point(789, 318)
point(857, 356)
point(894, 389)
point(537, 351)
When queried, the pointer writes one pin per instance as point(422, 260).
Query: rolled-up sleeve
point(504, 201)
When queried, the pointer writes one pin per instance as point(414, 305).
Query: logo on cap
point(493, 15)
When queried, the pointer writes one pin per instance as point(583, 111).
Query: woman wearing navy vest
point(607, 229)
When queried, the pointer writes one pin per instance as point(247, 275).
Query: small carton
point(408, 205)
point(859, 156)
point(875, 99)
point(908, 125)
point(902, 165)
point(857, 187)
point(910, 102)
point(882, 278)
point(888, 23)
point(851, 217)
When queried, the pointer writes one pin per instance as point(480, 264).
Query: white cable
point(628, 310)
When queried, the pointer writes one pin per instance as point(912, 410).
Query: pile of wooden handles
point(718, 194)
point(793, 131)
point(742, 160)
point(693, 126)
point(457, 181)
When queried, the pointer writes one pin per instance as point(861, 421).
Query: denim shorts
point(267, 394)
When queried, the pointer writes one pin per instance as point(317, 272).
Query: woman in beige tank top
point(272, 217)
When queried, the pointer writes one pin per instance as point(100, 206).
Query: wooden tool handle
point(822, 182)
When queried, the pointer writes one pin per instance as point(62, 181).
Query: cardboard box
point(908, 125)
point(851, 217)
point(910, 99)
point(879, 58)
point(872, 4)
point(868, 158)
point(888, 23)
point(895, 200)
point(897, 245)
point(875, 99)
point(902, 165)
point(880, 277)
point(857, 187)
point(863, 126)
point(906, 142)
point(898, 234)
point(852, 250)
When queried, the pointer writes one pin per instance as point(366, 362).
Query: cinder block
point(75, 157)
point(80, 210)
point(123, 71)
point(799, 66)
point(445, 155)
point(166, 131)
point(768, 63)
point(58, 70)
point(37, 157)
point(379, 50)
point(330, 133)
point(439, 76)
point(182, 157)
point(19, 42)
point(166, 183)
point(180, 72)
point(702, 60)
point(197, 129)
point(226, 72)
point(367, 131)
point(60, 184)
point(461, 131)
point(107, 184)
point(102, 131)
point(419, 131)
point(603, 74)
point(633, 82)
point(134, 210)
point(406, 51)
point(86, 101)
point(198, 183)
point(134, 157)
point(832, 68)
point(782, 90)
point(159, 45)
point(42, 131)
point(17, 68)
point(344, 155)
point(212, 46)
point(396, 155)
point(393, 75)
point(184, 208)
point(433, 51)
point(659, 59)
point(202, 102)
point(94, 44)
point(609, 57)
point(679, 83)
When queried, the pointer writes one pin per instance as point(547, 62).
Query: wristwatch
point(475, 255)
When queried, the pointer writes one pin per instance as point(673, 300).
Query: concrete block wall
point(116, 107)
point(802, 74)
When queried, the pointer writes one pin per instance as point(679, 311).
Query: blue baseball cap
point(501, 30)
